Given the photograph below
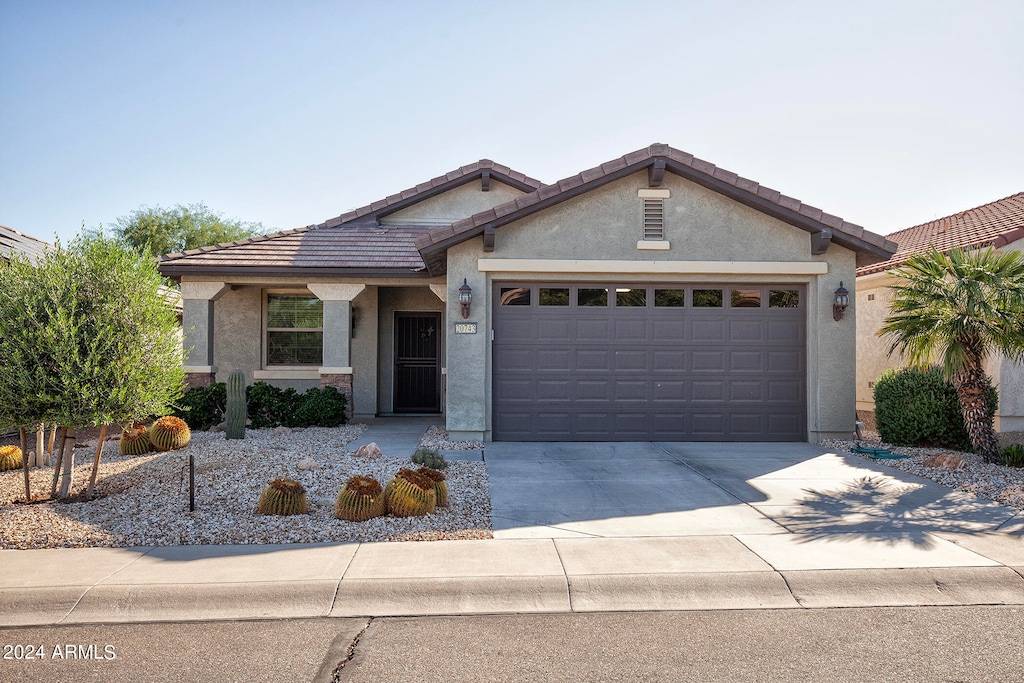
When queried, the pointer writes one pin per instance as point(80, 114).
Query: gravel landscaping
point(143, 500)
point(1005, 485)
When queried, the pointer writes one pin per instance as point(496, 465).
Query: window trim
point(265, 363)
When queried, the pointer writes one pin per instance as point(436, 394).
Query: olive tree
point(86, 339)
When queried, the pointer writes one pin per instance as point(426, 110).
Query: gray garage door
point(601, 362)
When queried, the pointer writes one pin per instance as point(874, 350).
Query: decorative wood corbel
point(820, 241)
point(485, 181)
point(488, 239)
point(655, 173)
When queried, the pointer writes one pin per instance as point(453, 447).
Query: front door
point(417, 363)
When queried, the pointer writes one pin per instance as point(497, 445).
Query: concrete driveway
point(566, 490)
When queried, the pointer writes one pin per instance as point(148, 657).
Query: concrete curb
point(188, 583)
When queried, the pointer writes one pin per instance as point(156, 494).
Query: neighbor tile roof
point(868, 245)
point(12, 241)
point(994, 224)
point(351, 242)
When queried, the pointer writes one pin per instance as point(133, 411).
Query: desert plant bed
point(143, 500)
point(1004, 485)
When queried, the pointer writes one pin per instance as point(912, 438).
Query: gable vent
point(654, 219)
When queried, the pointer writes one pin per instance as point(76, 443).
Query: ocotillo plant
point(236, 412)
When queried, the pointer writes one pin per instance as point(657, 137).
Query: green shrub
point(322, 408)
point(268, 406)
point(272, 407)
point(1012, 455)
point(202, 407)
point(920, 408)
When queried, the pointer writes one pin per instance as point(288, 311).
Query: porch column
point(197, 323)
point(337, 360)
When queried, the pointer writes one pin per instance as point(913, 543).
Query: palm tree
point(958, 308)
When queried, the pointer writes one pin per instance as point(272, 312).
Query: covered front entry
point(417, 386)
point(649, 362)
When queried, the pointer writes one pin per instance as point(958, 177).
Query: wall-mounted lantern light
point(465, 298)
point(841, 302)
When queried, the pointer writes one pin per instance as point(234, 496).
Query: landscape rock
point(370, 450)
point(947, 460)
point(308, 464)
point(282, 430)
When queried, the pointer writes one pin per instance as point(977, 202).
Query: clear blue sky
point(887, 113)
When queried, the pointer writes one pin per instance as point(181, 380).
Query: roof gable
point(994, 224)
point(354, 243)
point(657, 159)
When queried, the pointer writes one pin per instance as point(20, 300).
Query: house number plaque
point(465, 328)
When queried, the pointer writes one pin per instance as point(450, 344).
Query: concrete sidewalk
point(581, 528)
point(104, 585)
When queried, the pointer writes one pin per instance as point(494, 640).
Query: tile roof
point(349, 243)
point(994, 224)
point(869, 246)
point(12, 241)
point(327, 251)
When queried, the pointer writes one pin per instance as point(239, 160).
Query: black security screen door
point(417, 363)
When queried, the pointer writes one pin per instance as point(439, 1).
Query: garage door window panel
point(553, 296)
point(591, 297)
point(745, 298)
point(707, 298)
point(515, 296)
point(631, 298)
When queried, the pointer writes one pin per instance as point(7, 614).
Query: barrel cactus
point(236, 408)
point(10, 458)
point(360, 499)
point(410, 494)
point(440, 485)
point(429, 457)
point(135, 441)
point(283, 497)
point(169, 433)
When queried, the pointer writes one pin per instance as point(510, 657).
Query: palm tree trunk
point(970, 386)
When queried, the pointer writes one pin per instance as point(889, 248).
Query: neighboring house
point(999, 224)
point(14, 242)
point(654, 297)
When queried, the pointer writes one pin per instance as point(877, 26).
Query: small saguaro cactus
point(10, 458)
point(410, 494)
point(169, 433)
point(283, 497)
point(360, 499)
point(236, 411)
point(135, 441)
point(440, 485)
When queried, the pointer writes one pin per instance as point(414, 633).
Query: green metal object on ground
point(877, 453)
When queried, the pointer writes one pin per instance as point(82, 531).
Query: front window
point(295, 330)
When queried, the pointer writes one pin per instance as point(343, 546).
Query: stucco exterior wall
point(390, 300)
point(873, 358)
point(238, 332)
point(872, 300)
point(364, 354)
point(448, 207)
point(700, 226)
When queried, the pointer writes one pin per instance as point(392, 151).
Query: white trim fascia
point(335, 371)
point(512, 265)
point(657, 245)
point(286, 374)
point(654, 194)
